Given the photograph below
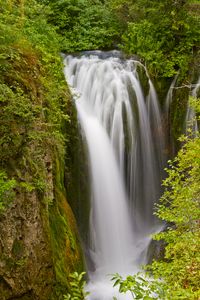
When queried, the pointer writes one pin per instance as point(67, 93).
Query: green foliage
point(164, 34)
point(180, 208)
point(6, 191)
point(33, 93)
point(140, 286)
point(77, 287)
point(84, 24)
point(33, 114)
point(194, 103)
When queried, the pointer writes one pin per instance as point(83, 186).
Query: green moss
point(178, 114)
point(66, 251)
point(162, 85)
point(76, 175)
point(13, 263)
point(18, 248)
point(144, 80)
point(58, 240)
point(65, 247)
point(174, 124)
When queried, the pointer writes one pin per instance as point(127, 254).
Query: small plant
point(139, 286)
point(77, 287)
point(6, 190)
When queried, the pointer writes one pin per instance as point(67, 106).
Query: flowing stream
point(120, 121)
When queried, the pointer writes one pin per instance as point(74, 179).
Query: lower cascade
point(120, 122)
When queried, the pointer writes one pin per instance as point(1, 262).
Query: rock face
point(155, 251)
point(39, 243)
point(26, 258)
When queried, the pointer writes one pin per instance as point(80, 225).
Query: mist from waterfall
point(122, 128)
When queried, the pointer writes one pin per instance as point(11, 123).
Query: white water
point(169, 97)
point(119, 125)
point(191, 121)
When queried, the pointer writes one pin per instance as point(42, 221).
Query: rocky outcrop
point(39, 244)
point(25, 253)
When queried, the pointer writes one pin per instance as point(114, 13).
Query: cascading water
point(190, 118)
point(121, 128)
point(191, 121)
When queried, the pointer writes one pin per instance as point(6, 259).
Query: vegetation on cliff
point(33, 92)
point(39, 244)
point(6, 191)
point(179, 207)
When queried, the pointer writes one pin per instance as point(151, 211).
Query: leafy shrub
point(84, 24)
point(33, 91)
point(140, 286)
point(77, 287)
point(165, 34)
point(6, 191)
point(180, 208)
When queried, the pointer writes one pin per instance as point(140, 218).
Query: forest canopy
point(164, 34)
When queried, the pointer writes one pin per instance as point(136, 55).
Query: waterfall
point(191, 121)
point(190, 118)
point(169, 96)
point(122, 128)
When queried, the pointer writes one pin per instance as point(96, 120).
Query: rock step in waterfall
point(122, 128)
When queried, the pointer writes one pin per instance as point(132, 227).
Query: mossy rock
point(162, 85)
point(178, 110)
point(143, 79)
point(76, 177)
point(65, 242)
